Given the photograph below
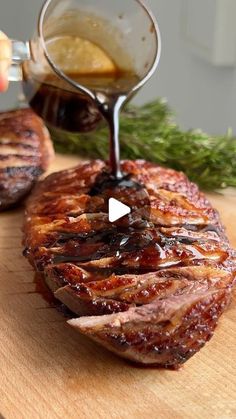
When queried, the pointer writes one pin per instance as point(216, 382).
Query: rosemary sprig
point(148, 132)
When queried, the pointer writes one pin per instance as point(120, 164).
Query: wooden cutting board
point(47, 370)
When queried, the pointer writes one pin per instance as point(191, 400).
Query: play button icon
point(117, 210)
point(125, 199)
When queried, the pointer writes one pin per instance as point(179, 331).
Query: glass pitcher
point(76, 43)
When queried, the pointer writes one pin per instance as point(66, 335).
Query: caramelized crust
point(25, 153)
point(152, 285)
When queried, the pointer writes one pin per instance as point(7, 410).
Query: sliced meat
point(87, 294)
point(150, 287)
point(25, 153)
point(165, 333)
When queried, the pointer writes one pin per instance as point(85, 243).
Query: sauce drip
point(106, 182)
point(110, 99)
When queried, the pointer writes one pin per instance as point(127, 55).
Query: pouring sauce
point(64, 106)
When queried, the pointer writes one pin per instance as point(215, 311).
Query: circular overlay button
point(125, 217)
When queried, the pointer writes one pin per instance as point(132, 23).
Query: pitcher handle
point(20, 53)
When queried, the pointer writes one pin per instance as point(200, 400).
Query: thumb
point(5, 61)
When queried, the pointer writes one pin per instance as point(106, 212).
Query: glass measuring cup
point(130, 22)
point(126, 32)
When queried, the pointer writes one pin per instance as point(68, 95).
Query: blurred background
point(197, 72)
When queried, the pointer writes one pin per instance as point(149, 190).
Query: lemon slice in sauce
point(76, 55)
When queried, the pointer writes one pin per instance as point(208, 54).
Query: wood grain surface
point(47, 370)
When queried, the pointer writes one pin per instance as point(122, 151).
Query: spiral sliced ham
point(150, 287)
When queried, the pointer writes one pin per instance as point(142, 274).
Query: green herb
point(149, 133)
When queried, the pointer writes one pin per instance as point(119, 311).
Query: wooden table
point(47, 370)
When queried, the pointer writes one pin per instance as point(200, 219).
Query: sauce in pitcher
point(64, 106)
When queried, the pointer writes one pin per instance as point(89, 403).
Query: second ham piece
point(25, 153)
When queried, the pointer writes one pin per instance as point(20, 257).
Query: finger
point(5, 60)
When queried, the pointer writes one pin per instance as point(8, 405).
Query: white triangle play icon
point(117, 210)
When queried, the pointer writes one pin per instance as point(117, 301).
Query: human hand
point(5, 61)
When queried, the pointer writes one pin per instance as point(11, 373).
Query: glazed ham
point(25, 153)
point(149, 287)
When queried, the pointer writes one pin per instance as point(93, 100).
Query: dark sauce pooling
point(106, 181)
point(128, 235)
